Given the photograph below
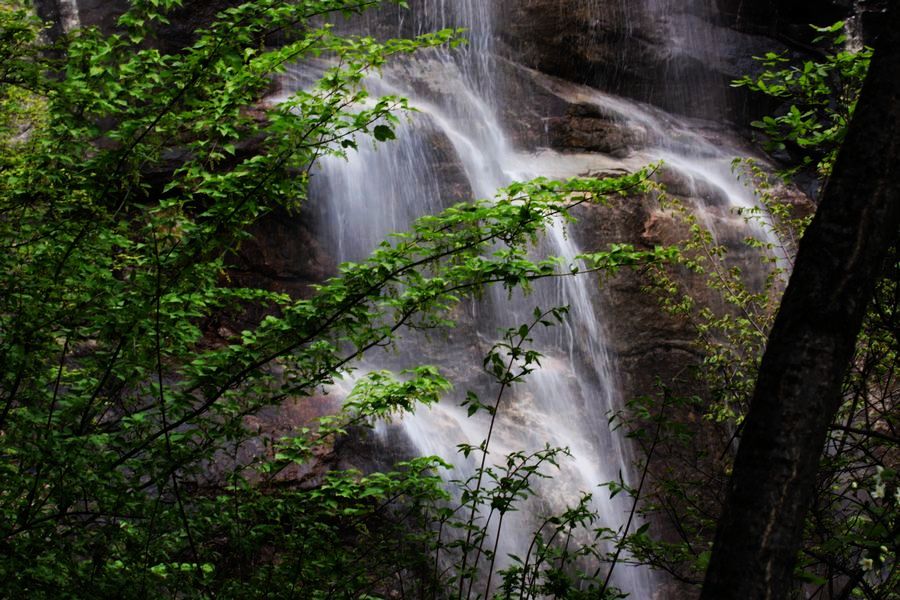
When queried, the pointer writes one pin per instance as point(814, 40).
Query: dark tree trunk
point(811, 345)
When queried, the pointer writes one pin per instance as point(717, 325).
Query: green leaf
point(383, 133)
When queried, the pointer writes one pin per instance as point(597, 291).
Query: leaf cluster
point(819, 98)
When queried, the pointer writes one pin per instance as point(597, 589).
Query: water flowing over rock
point(544, 88)
point(490, 115)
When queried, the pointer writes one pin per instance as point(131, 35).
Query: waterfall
point(689, 32)
point(854, 28)
point(456, 147)
point(566, 403)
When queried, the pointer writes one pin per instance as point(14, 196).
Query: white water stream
point(568, 401)
point(69, 15)
point(379, 191)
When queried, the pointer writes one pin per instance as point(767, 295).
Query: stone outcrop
point(282, 255)
point(193, 14)
point(647, 343)
point(585, 129)
point(665, 53)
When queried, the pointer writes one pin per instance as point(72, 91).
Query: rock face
point(676, 54)
point(647, 343)
point(679, 55)
point(790, 19)
point(585, 129)
point(665, 53)
point(104, 14)
point(283, 256)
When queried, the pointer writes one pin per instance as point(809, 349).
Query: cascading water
point(567, 402)
point(69, 15)
point(689, 35)
point(854, 28)
point(376, 192)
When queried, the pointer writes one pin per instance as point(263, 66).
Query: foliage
point(562, 546)
point(853, 526)
point(820, 97)
point(727, 295)
point(130, 178)
point(732, 329)
point(851, 532)
point(850, 539)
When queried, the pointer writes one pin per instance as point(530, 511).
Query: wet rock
point(698, 190)
point(585, 128)
point(673, 55)
point(282, 255)
point(184, 21)
point(454, 183)
point(645, 342)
